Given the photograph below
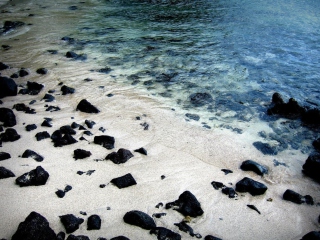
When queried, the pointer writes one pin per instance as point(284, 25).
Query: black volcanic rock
point(42, 71)
point(183, 226)
point(142, 151)
point(81, 154)
point(94, 222)
point(295, 197)
point(67, 129)
point(124, 181)
point(87, 107)
point(3, 66)
point(105, 141)
point(42, 135)
point(200, 99)
point(10, 135)
point(35, 177)
point(187, 204)
point(23, 72)
point(22, 107)
point(29, 153)
point(71, 222)
point(46, 123)
point(165, 234)
point(4, 156)
point(314, 235)
point(311, 167)
point(7, 117)
point(217, 185)
point(34, 227)
point(5, 173)
point(251, 186)
point(89, 123)
point(250, 165)
point(48, 97)
point(8, 87)
point(229, 191)
point(11, 25)
point(122, 156)
point(316, 144)
point(265, 148)
point(139, 219)
point(34, 88)
point(31, 127)
point(119, 238)
point(79, 237)
point(209, 237)
point(67, 90)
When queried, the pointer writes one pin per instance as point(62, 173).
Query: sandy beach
point(181, 156)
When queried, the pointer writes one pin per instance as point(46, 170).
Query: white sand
point(189, 156)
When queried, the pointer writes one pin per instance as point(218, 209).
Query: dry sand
point(189, 156)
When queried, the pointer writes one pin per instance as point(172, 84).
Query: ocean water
point(236, 52)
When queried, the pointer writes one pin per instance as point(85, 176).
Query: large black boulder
point(7, 117)
point(10, 135)
point(165, 234)
point(139, 219)
point(311, 167)
point(124, 181)
point(251, 186)
point(105, 141)
point(87, 107)
point(34, 227)
point(250, 165)
point(70, 222)
point(8, 87)
point(121, 156)
point(314, 235)
point(295, 197)
point(5, 173)
point(187, 204)
point(200, 99)
point(35, 177)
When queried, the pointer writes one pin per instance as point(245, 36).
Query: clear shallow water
point(239, 52)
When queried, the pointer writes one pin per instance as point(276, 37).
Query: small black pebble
point(60, 193)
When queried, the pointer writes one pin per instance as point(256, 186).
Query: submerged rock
point(105, 141)
point(85, 106)
point(8, 87)
point(122, 156)
point(165, 234)
point(34, 227)
point(250, 165)
point(295, 197)
point(194, 117)
point(70, 222)
point(94, 222)
point(5, 173)
point(187, 204)
point(265, 148)
point(311, 167)
point(7, 117)
point(35, 177)
point(200, 99)
point(124, 181)
point(251, 186)
point(29, 153)
point(139, 219)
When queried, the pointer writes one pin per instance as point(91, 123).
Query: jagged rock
point(70, 222)
point(89, 123)
point(124, 181)
point(120, 238)
point(187, 204)
point(34, 88)
point(8, 87)
point(104, 140)
point(31, 127)
point(122, 156)
point(7, 117)
point(60, 140)
point(76, 56)
point(48, 98)
point(5, 173)
point(311, 167)
point(81, 154)
point(29, 153)
point(87, 107)
point(200, 99)
point(4, 156)
point(139, 219)
point(217, 185)
point(253, 207)
point(11, 25)
point(34, 227)
point(209, 237)
point(186, 228)
point(60, 193)
point(251, 186)
point(10, 135)
point(194, 117)
point(46, 123)
point(250, 165)
point(79, 237)
point(35, 177)
point(42, 71)
point(142, 151)
point(42, 135)
point(94, 222)
point(265, 148)
point(22, 107)
point(67, 90)
point(314, 235)
point(229, 191)
point(3, 66)
point(295, 197)
point(23, 72)
point(75, 125)
point(67, 129)
point(165, 234)
point(226, 171)
point(53, 109)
